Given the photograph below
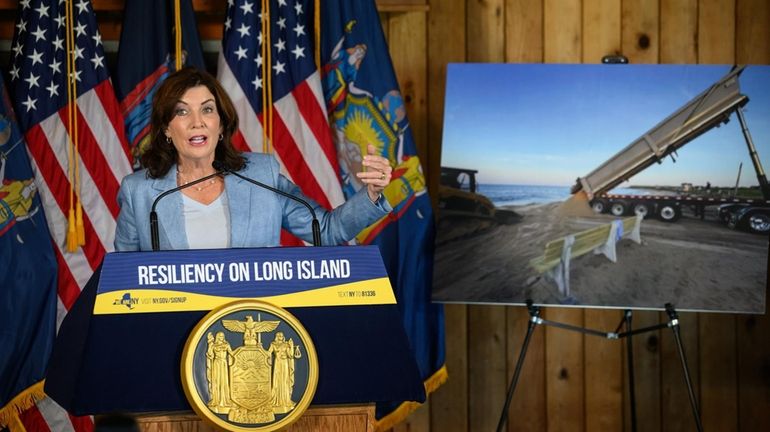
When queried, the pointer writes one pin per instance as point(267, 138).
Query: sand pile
point(576, 205)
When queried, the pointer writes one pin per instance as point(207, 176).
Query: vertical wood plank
point(446, 44)
point(603, 373)
point(486, 325)
point(716, 31)
point(449, 404)
point(717, 339)
point(640, 30)
point(564, 372)
point(485, 28)
point(752, 39)
point(718, 374)
point(407, 39)
point(639, 22)
point(603, 358)
point(678, 31)
point(527, 411)
point(678, 38)
point(646, 350)
point(601, 29)
point(753, 47)
point(562, 31)
point(524, 31)
point(753, 373)
point(486, 366)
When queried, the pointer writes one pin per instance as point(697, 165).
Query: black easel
point(673, 323)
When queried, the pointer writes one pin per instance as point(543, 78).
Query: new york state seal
point(249, 366)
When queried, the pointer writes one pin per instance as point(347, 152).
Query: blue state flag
point(27, 276)
point(146, 56)
point(365, 106)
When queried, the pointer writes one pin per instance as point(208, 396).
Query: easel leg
point(534, 314)
point(631, 379)
point(674, 324)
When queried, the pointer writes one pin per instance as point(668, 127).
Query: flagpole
point(178, 34)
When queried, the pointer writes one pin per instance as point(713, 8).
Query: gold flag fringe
point(402, 412)
point(9, 414)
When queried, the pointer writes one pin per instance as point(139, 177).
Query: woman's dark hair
point(161, 154)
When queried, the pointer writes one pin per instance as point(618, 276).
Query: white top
point(207, 226)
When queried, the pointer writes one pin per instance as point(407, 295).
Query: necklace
point(200, 186)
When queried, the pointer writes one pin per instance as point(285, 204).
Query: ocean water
point(505, 195)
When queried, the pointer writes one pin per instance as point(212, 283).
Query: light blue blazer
point(256, 214)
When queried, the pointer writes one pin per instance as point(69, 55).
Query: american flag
point(301, 136)
point(39, 88)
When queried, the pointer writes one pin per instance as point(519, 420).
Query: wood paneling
point(408, 31)
point(486, 366)
point(449, 404)
point(679, 31)
point(524, 31)
point(640, 26)
point(603, 373)
point(601, 29)
point(562, 31)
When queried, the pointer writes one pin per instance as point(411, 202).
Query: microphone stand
point(315, 224)
point(154, 235)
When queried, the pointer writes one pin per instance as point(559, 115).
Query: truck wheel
point(669, 212)
point(642, 209)
point(759, 223)
point(618, 208)
point(599, 206)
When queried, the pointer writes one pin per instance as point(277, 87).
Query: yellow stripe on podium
point(369, 292)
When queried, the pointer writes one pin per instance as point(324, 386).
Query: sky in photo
point(535, 124)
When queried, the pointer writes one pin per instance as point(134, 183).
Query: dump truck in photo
point(710, 109)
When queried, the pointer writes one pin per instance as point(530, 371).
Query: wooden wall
point(571, 382)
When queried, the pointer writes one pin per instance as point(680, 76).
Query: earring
point(221, 137)
point(168, 139)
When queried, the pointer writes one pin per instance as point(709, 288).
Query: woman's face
point(194, 127)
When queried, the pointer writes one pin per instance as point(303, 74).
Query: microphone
point(154, 236)
point(219, 166)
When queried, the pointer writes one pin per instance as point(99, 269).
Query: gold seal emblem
point(249, 366)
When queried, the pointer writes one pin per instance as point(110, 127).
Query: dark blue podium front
point(131, 362)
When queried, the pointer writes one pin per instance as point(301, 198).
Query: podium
point(119, 348)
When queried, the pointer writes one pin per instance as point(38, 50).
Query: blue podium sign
point(173, 281)
point(120, 346)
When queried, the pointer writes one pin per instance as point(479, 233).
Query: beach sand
point(693, 264)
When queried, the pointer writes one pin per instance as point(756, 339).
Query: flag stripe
point(53, 176)
point(93, 204)
point(55, 416)
point(90, 158)
point(82, 423)
point(32, 420)
point(305, 146)
point(68, 290)
point(101, 109)
point(314, 113)
point(296, 164)
point(251, 129)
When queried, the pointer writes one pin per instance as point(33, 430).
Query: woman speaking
point(192, 124)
